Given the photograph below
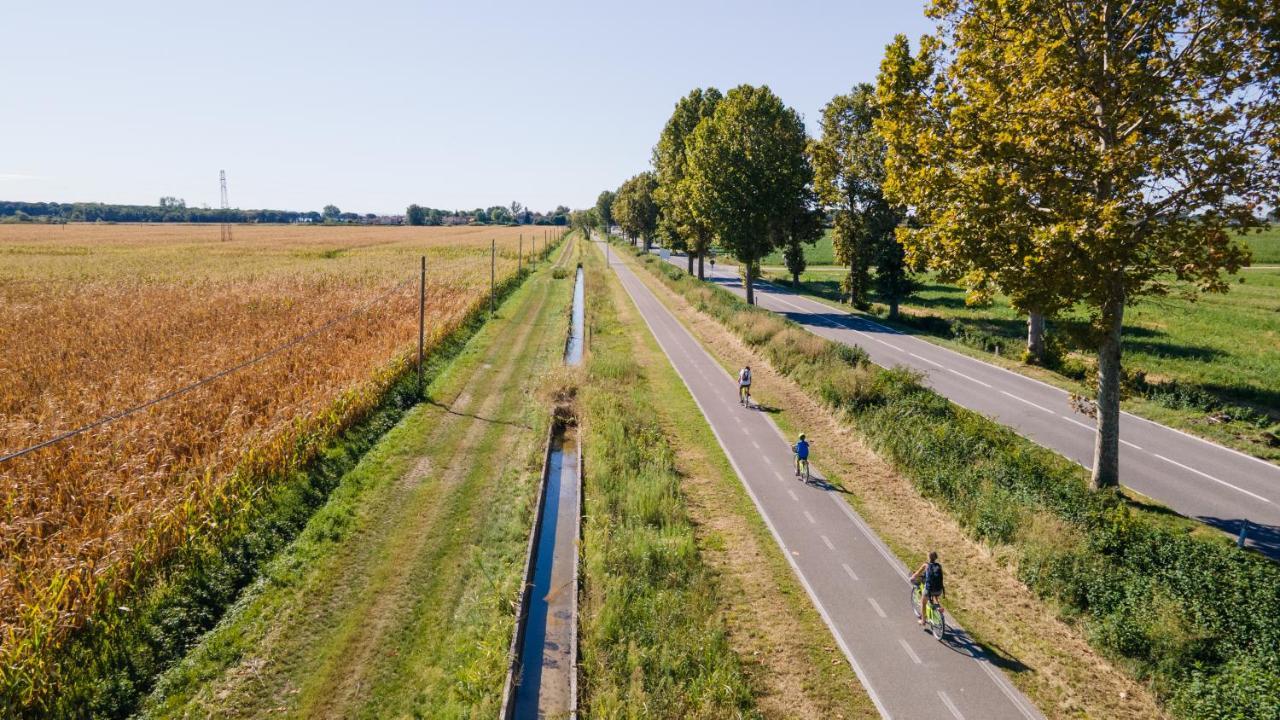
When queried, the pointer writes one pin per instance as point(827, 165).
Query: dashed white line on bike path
point(855, 583)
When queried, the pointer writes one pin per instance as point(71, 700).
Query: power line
point(205, 380)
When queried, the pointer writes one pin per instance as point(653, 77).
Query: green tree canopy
point(604, 208)
point(747, 174)
point(415, 215)
point(1085, 152)
point(848, 164)
point(676, 219)
point(634, 208)
point(584, 221)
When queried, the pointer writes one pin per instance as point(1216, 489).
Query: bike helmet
point(801, 436)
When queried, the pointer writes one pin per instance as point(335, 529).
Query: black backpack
point(933, 578)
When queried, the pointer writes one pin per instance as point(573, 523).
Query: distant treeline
point(169, 211)
point(175, 210)
point(513, 214)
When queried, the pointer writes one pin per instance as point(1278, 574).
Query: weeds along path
point(396, 600)
point(793, 665)
point(1061, 673)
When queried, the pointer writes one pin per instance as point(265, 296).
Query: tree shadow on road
point(1258, 536)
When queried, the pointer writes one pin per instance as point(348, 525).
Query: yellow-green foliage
point(1204, 643)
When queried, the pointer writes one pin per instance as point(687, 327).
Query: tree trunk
point(893, 308)
point(1035, 337)
point(852, 264)
point(688, 255)
point(795, 280)
point(751, 287)
point(1106, 449)
point(702, 256)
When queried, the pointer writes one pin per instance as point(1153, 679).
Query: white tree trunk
point(1035, 337)
point(1106, 449)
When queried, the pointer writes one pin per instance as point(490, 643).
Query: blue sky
point(372, 105)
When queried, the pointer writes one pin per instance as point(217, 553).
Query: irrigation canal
point(544, 677)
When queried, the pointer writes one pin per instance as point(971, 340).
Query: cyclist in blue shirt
point(801, 449)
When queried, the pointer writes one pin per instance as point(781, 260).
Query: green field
point(1265, 246)
point(819, 253)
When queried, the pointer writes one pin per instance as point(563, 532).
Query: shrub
point(1189, 612)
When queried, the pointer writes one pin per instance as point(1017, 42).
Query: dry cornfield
point(98, 318)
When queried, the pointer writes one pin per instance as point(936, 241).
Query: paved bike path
point(857, 584)
point(1197, 478)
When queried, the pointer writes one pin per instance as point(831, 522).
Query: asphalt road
point(1196, 477)
point(857, 585)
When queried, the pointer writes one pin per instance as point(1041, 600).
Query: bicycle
point(802, 462)
point(744, 396)
point(935, 618)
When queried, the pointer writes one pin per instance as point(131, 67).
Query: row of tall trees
point(1085, 154)
point(635, 209)
point(738, 170)
point(1064, 153)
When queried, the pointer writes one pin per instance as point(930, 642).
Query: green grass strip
point(653, 644)
point(1178, 605)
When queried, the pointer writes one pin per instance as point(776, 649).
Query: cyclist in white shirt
point(744, 386)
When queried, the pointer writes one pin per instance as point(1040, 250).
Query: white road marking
point(875, 541)
point(1040, 407)
point(780, 476)
point(827, 540)
point(849, 571)
point(911, 653)
point(1030, 713)
point(882, 342)
point(755, 444)
point(768, 521)
point(1074, 421)
point(810, 518)
point(921, 357)
point(970, 379)
point(876, 606)
point(1206, 442)
point(1126, 442)
point(896, 564)
point(1024, 378)
point(950, 705)
point(792, 493)
point(1207, 475)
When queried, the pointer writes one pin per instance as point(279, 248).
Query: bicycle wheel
point(915, 600)
point(937, 622)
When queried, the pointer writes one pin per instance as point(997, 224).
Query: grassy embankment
point(653, 642)
point(397, 598)
point(1207, 366)
point(792, 667)
point(121, 546)
point(1174, 604)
